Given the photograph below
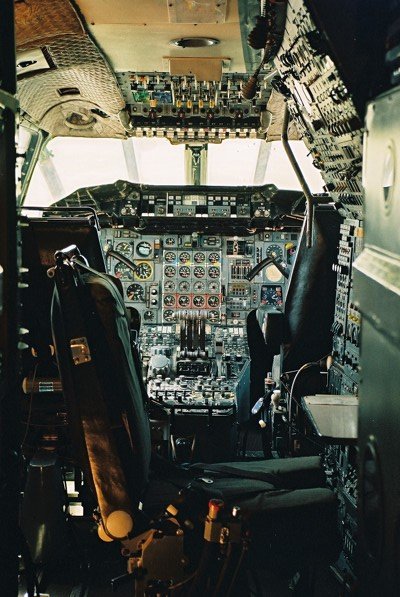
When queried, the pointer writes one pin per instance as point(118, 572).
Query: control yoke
point(260, 266)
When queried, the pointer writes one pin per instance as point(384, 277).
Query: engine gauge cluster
point(191, 278)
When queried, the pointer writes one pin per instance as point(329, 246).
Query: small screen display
point(194, 200)
point(271, 295)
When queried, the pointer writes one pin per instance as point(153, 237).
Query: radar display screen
point(271, 295)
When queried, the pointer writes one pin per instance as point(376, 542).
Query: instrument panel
point(178, 272)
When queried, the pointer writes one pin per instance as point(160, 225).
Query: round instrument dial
point(273, 274)
point(213, 301)
point(214, 271)
point(184, 286)
point(169, 242)
point(122, 271)
point(184, 271)
point(274, 251)
point(169, 285)
point(169, 271)
point(144, 249)
point(135, 292)
point(169, 300)
point(169, 256)
point(124, 248)
point(199, 301)
point(213, 287)
point(199, 257)
point(213, 315)
point(199, 286)
point(184, 257)
point(213, 257)
point(199, 271)
point(184, 300)
point(144, 270)
point(149, 315)
point(169, 315)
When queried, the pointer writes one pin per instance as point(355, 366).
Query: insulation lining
point(37, 22)
point(78, 81)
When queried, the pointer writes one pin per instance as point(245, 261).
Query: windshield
point(67, 164)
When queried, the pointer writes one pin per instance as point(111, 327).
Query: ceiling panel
point(127, 46)
point(150, 12)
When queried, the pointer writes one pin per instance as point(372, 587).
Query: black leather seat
point(290, 512)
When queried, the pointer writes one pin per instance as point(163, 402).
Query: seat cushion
point(295, 528)
point(283, 473)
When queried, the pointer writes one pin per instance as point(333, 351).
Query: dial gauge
point(213, 301)
point(274, 251)
point(272, 273)
point(213, 271)
point(169, 256)
point(124, 248)
point(184, 300)
point(184, 286)
point(199, 271)
point(144, 270)
point(199, 301)
point(149, 315)
point(122, 271)
point(144, 249)
point(169, 271)
point(184, 257)
point(199, 257)
point(169, 315)
point(199, 286)
point(213, 257)
point(169, 286)
point(184, 271)
point(169, 242)
point(213, 287)
point(169, 300)
point(213, 315)
point(135, 292)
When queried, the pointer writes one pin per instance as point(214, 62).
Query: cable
point(302, 368)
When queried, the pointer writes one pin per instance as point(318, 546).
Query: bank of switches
point(192, 393)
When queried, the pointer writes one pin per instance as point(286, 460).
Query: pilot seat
point(288, 517)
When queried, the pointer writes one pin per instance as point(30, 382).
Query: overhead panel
point(193, 11)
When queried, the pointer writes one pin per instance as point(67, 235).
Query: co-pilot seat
point(289, 512)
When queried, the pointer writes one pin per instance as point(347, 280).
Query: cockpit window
point(67, 164)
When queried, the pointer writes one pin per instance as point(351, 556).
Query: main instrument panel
point(175, 272)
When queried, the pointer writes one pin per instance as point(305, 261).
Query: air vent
point(78, 120)
point(194, 42)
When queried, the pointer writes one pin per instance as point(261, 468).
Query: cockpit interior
point(199, 277)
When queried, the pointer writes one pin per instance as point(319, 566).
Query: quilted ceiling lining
point(78, 95)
